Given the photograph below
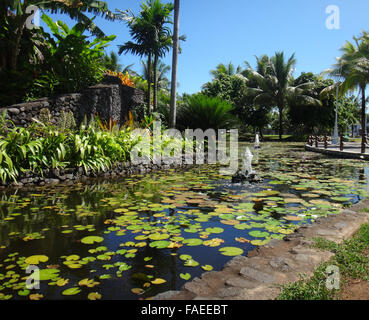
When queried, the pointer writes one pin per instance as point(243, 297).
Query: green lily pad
point(71, 291)
point(231, 251)
point(162, 244)
point(258, 234)
point(214, 230)
point(185, 276)
point(193, 242)
point(92, 240)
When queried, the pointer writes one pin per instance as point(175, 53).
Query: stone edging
point(260, 275)
point(69, 176)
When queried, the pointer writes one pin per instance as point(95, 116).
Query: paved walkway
point(350, 150)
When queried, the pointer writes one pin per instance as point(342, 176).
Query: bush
point(203, 112)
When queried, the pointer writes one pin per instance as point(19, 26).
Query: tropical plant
point(124, 77)
point(72, 62)
point(203, 112)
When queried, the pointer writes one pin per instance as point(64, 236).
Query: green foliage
point(204, 112)
point(71, 61)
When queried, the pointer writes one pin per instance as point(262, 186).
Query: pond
point(136, 237)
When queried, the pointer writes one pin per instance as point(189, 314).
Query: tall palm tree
point(152, 38)
point(353, 68)
point(274, 85)
point(158, 14)
point(173, 95)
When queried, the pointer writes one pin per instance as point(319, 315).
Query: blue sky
point(237, 30)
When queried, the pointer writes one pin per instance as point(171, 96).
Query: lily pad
point(231, 251)
point(92, 240)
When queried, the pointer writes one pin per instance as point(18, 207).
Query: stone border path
point(259, 275)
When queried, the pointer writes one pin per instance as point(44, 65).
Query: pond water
point(137, 237)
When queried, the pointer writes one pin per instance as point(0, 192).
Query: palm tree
point(153, 38)
point(159, 74)
point(141, 33)
point(353, 68)
point(111, 62)
point(14, 12)
point(228, 69)
point(173, 96)
point(159, 15)
point(274, 88)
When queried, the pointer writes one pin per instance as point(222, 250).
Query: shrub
point(204, 112)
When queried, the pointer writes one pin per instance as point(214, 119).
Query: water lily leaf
point(94, 296)
point(191, 263)
point(88, 283)
point(71, 291)
point(193, 242)
point(36, 259)
point(231, 251)
point(159, 236)
point(162, 244)
point(207, 267)
point(185, 257)
point(62, 282)
point(258, 234)
point(45, 274)
point(91, 240)
point(138, 291)
point(158, 281)
point(185, 276)
point(242, 226)
point(35, 296)
point(214, 230)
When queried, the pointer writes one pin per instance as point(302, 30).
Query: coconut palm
point(274, 85)
point(159, 74)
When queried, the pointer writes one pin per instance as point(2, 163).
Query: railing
point(314, 141)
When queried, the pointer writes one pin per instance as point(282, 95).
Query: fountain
point(246, 173)
point(257, 142)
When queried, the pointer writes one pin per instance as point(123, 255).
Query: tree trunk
point(173, 94)
point(149, 84)
point(280, 108)
point(363, 113)
point(156, 83)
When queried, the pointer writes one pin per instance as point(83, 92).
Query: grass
point(351, 257)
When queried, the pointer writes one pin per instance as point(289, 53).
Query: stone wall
point(108, 100)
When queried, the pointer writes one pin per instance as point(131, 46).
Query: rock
point(198, 287)
point(257, 275)
point(229, 292)
point(236, 263)
point(240, 283)
point(166, 295)
point(280, 263)
point(14, 111)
